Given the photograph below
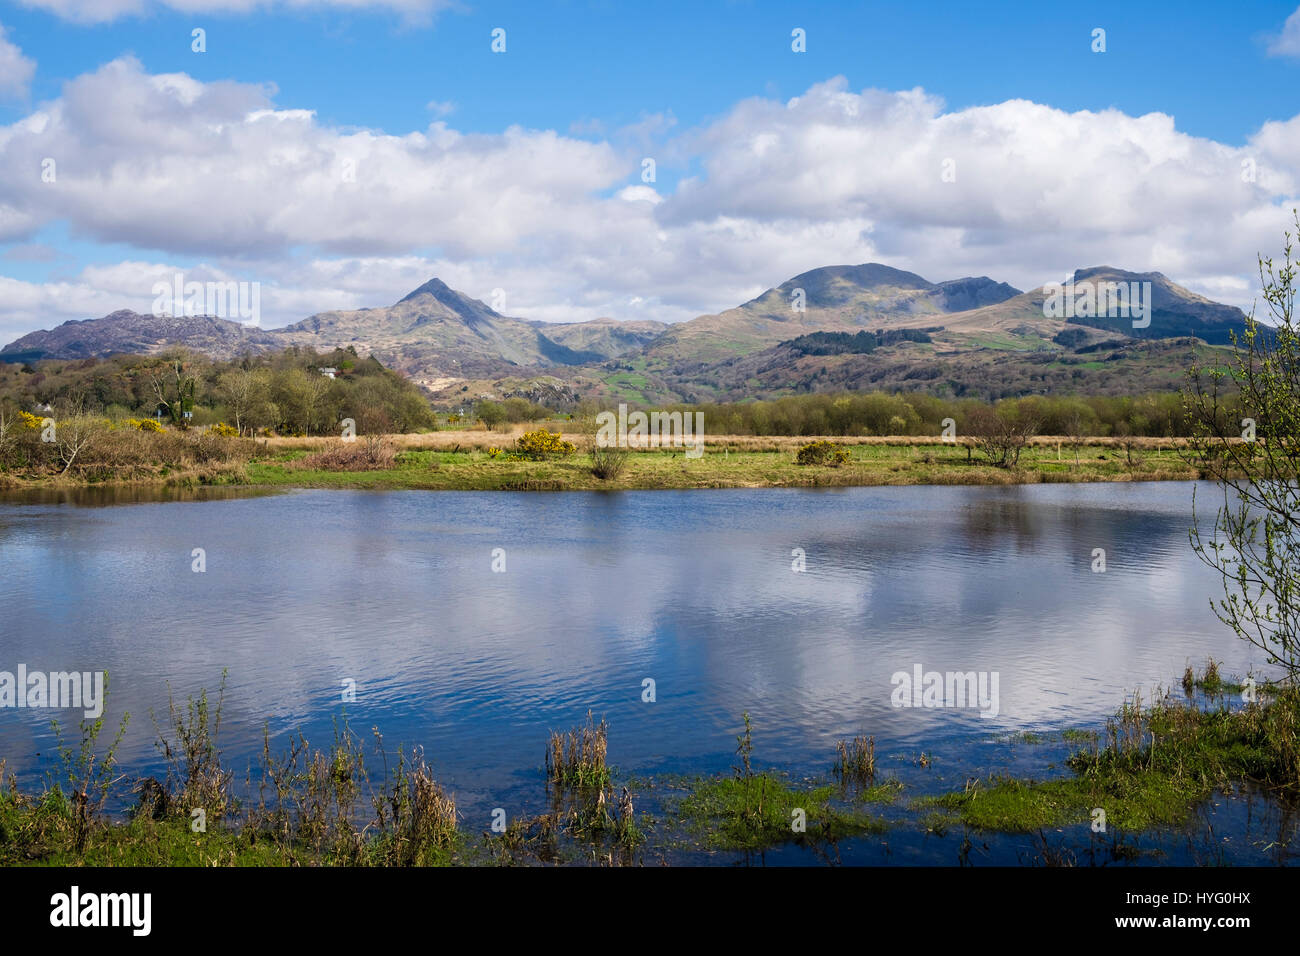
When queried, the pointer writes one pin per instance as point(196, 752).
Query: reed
point(857, 761)
point(577, 759)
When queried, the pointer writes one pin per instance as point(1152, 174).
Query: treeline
point(509, 411)
point(290, 392)
point(856, 343)
point(1158, 414)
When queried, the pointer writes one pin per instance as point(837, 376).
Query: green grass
point(936, 464)
point(1156, 767)
point(1131, 802)
point(39, 831)
point(887, 791)
point(759, 812)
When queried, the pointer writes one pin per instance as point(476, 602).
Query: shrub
point(221, 428)
point(608, 462)
point(822, 453)
point(542, 445)
point(371, 454)
point(491, 414)
point(1001, 433)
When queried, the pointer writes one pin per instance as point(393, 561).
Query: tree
point(1123, 432)
point(301, 396)
point(491, 414)
point(174, 387)
point(1001, 433)
point(242, 389)
point(1075, 432)
point(73, 436)
point(1255, 541)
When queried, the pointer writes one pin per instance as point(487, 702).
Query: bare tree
point(243, 390)
point(73, 436)
point(1076, 433)
point(1001, 434)
point(1127, 440)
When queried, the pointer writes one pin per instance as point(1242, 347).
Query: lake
point(305, 593)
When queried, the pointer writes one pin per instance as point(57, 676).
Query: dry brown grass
point(375, 453)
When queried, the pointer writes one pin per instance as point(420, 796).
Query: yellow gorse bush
point(822, 453)
point(541, 444)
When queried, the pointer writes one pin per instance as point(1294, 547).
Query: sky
point(637, 161)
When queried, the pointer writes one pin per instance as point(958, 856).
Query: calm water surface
point(693, 590)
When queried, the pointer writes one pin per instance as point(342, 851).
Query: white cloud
point(1287, 43)
point(333, 218)
point(16, 70)
point(224, 172)
point(106, 11)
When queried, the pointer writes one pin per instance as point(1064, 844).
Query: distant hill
point(829, 299)
point(838, 327)
point(600, 339)
point(433, 333)
point(1177, 311)
point(130, 332)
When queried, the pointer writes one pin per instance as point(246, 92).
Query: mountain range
point(972, 335)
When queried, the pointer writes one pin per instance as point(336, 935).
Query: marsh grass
point(1152, 767)
point(577, 759)
point(355, 803)
point(195, 777)
point(753, 810)
point(89, 775)
point(590, 823)
point(312, 806)
point(857, 761)
point(372, 453)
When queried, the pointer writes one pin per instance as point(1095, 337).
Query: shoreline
point(1209, 743)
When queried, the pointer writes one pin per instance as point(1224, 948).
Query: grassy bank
point(480, 460)
point(354, 803)
point(469, 465)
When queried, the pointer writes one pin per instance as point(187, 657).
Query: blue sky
point(616, 81)
point(571, 61)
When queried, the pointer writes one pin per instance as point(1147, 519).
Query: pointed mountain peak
point(434, 287)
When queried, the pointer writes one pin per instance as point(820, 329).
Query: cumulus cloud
point(106, 11)
point(1287, 43)
point(165, 162)
point(1021, 189)
point(329, 218)
point(16, 70)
